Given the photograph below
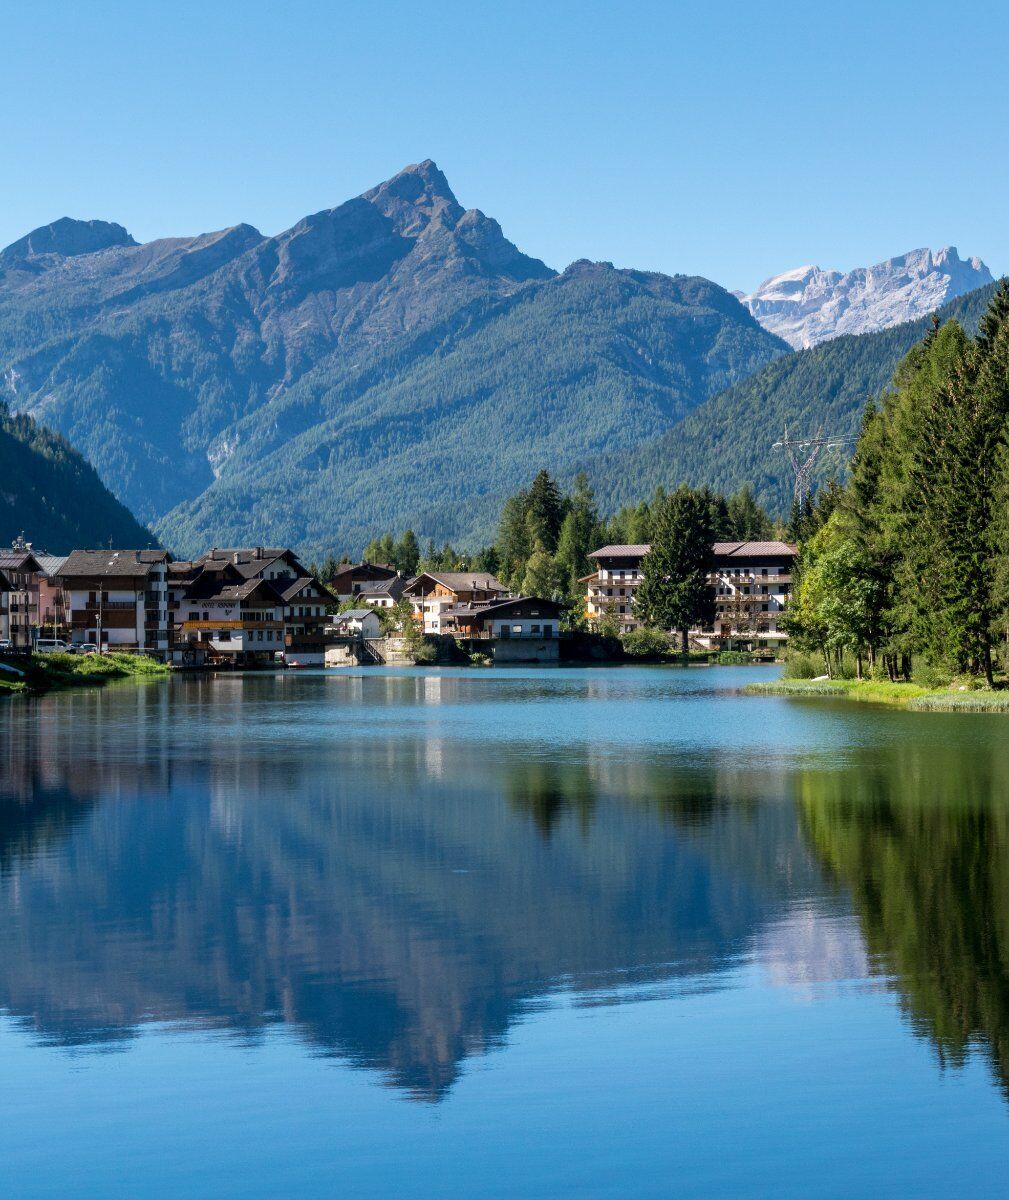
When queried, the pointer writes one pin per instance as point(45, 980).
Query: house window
point(224, 636)
point(206, 616)
point(194, 616)
point(259, 635)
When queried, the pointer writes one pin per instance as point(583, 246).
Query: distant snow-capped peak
point(807, 305)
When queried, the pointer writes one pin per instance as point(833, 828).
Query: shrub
point(733, 658)
point(647, 643)
point(801, 666)
point(928, 675)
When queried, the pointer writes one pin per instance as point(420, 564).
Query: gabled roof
point(720, 549)
point(51, 564)
point(251, 560)
point(753, 549)
point(212, 585)
point(621, 551)
point(462, 581)
point(354, 614)
point(382, 587)
point(290, 590)
point(499, 607)
point(112, 563)
point(19, 560)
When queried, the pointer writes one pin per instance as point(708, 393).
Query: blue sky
point(730, 140)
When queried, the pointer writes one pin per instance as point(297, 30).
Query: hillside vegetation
point(48, 491)
point(729, 440)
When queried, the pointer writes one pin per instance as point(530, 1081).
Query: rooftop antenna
point(803, 453)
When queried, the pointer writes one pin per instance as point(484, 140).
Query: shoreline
point(45, 673)
point(909, 696)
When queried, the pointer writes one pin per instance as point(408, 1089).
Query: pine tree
point(674, 592)
point(544, 511)
point(746, 519)
point(407, 553)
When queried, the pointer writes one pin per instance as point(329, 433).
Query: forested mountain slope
point(391, 361)
point(50, 493)
point(729, 440)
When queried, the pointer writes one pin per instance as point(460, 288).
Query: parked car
point(5, 646)
point(53, 646)
point(87, 648)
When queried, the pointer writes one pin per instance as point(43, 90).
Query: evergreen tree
point(674, 592)
point(580, 534)
point(513, 544)
point(544, 511)
point(407, 553)
point(746, 519)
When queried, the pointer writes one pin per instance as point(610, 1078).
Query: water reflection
point(398, 899)
point(398, 868)
point(919, 838)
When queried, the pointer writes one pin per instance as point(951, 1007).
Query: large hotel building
point(752, 583)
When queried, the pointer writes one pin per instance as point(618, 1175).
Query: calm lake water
point(513, 933)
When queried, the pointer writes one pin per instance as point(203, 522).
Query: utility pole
point(803, 453)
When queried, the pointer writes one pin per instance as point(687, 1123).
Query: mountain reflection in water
point(398, 867)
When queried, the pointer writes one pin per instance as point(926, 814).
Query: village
point(256, 606)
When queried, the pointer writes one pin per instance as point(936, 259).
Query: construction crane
point(803, 453)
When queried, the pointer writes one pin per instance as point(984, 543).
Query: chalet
point(220, 615)
point(23, 572)
point(306, 599)
point(434, 594)
point(384, 593)
point(357, 622)
point(752, 582)
point(351, 578)
point(117, 598)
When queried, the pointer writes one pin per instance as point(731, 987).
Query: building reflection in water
point(241, 854)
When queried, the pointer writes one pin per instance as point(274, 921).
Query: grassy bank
point(53, 672)
point(902, 695)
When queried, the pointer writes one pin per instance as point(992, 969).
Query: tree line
point(906, 567)
point(545, 535)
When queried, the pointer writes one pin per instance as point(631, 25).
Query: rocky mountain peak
point(414, 197)
point(66, 238)
point(808, 305)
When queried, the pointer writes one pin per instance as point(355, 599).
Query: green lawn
point(957, 698)
point(51, 672)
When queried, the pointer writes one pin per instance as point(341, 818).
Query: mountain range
point(807, 305)
point(392, 361)
point(396, 361)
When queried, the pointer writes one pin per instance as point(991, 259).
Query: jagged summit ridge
point(66, 238)
point(807, 305)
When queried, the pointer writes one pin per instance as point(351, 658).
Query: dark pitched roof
point(290, 590)
point(251, 560)
point(206, 587)
point(462, 581)
point(112, 563)
point(19, 560)
point(356, 614)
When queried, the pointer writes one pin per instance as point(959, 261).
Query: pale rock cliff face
point(807, 305)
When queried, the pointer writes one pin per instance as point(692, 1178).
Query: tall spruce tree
point(674, 592)
point(544, 511)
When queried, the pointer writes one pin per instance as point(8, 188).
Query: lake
point(615, 932)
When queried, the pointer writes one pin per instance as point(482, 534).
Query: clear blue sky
point(733, 140)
